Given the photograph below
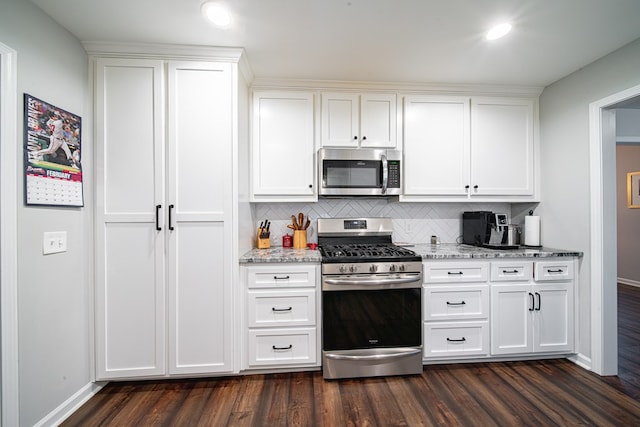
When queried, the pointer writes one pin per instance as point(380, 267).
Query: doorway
point(603, 273)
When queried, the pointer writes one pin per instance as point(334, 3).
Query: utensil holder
point(263, 242)
point(300, 239)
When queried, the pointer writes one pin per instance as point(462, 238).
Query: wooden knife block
point(263, 243)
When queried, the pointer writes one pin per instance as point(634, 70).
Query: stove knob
point(401, 268)
point(373, 268)
point(343, 269)
point(392, 268)
point(353, 269)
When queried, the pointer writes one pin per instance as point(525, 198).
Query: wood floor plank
point(534, 393)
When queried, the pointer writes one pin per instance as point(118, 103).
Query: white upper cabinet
point(436, 145)
point(502, 147)
point(460, 148)
point(283, 149)
point(359, 120)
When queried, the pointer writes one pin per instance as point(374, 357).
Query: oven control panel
point(372, 267)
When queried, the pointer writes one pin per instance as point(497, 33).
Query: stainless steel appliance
point(359, 172)
point(371, 300)
point(489, 230)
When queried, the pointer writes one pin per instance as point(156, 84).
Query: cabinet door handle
point(280, 277)
point(456, 303)
point(466, 187)
point(532, 306)
point(539, 301)
point(355, 138)
point(364, 138)
point(455, 273)
point(463, 339)
point(170, 220)
point(289, 347)
point(280, 310)
point(158, 228)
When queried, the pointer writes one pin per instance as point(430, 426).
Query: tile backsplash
point(412, 222)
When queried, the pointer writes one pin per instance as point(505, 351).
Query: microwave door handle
point(385, 173)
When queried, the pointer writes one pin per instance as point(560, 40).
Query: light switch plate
point(54, 242)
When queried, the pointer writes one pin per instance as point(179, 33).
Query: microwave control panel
point(394, 174)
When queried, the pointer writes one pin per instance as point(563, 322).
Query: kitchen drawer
point(553, 271)
point(511, 271)
point(458, 272)
point(277, 347)
point(281, 276)
point(456, 302)
point(456, 339)
point(287, 307)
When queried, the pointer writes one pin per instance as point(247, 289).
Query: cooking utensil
point(300, 220)
point(295, 222)
point(307, 224)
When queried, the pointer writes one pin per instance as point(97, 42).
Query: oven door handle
point(378, 356)
point(399, 281)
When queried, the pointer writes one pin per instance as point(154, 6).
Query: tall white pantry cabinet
point(164, 212)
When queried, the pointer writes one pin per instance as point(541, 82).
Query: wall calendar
point(52, 142)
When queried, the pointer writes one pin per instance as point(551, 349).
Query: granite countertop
point(426, 251)
point(280, 254)
point(461, 251)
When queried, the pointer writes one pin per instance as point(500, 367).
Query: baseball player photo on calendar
point(52, 147)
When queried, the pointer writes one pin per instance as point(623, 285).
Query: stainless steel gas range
point(371, 300)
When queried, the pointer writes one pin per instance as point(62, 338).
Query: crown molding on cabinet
point(186, 52)
point(405, 88)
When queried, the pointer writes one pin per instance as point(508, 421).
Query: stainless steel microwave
point(359, 172)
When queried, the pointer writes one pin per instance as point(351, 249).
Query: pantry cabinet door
point(130, 239)
point(200, 188)
point(436, 145)
point(502, 147)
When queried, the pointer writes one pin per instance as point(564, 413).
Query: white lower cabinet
point(456, 309)
point(533, 314)
point(281, 312)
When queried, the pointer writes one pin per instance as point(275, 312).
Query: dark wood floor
point(540, 393)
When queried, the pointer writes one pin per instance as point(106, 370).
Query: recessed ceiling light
point(498, 31)
point(216, 13)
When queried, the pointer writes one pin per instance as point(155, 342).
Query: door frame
point(9, 405)
point(603, 236)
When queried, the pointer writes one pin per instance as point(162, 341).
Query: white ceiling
point(407, 41)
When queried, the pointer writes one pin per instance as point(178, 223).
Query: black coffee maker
point(486, 229)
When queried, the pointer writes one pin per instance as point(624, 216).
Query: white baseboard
point(581, 360)
point(72, 404)
point(628, 282)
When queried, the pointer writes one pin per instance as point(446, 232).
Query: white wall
point(53, 290)
point(564, 130)
point(627, 160)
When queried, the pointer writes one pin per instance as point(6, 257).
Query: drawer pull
point(456, 303)
point(455, 273)
point(281, 278)
point(510, 271)
point(556, 271)
point(289, 347)
point(280, 310)
point(463, 339)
